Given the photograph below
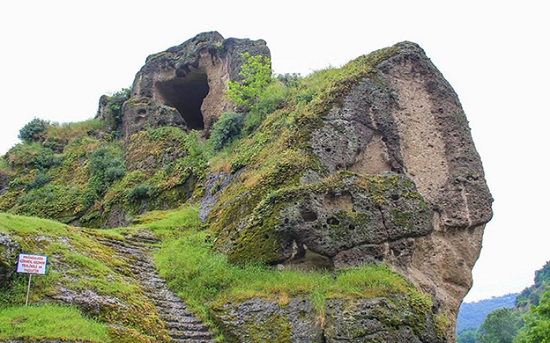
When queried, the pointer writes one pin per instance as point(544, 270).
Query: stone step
point(169, 304)
point(132, 240)
point(173, 314)
point(184, 320)
point(190, 334)
point(181, 324)
point(183, 340)
point(186, 326)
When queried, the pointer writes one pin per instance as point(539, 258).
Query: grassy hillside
point(204, 278)
point(81, 272)
point(77, 173)
point(50, 322)
point(87, 179)
point(84, 174)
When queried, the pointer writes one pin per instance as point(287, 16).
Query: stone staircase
point(181, 324)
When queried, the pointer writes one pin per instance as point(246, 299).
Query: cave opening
point(186, 94)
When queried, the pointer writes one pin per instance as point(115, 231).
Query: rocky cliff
point(184, 86)
point(398, 181)
point(369, 164)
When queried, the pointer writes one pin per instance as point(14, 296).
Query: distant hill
point(528, 320)
point(471, 315)
point(531, 295)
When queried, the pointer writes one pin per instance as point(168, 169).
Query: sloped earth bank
point(181, 324)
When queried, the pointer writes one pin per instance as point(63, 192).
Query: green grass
point(29, 225)
point(50, 322)
point(170, 224)
point(205, 278)
point(78, 262)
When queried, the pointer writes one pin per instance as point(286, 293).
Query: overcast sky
point(59, 57)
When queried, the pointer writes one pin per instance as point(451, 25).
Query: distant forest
point(512, 318)
point(472, 315)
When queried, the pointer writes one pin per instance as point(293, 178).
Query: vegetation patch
point(79, 263)
point(50, 322)
point(207, 280)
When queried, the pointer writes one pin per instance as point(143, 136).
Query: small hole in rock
point(333, 221)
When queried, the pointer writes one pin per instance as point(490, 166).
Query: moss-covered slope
point(368, 163)
point(82, 272)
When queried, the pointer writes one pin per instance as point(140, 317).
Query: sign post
point(31, 264)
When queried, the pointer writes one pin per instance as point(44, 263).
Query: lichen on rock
point(9, 250)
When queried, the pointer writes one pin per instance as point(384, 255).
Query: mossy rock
point(334, 215)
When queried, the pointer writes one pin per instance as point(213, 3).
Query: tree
point(500, 326)
point(32, 131)
point(467, 336)
point(255, 78)
point(537, 322)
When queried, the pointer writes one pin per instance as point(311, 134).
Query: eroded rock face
point(9, 250)
point(393, 319)
point(401, 183)
point(184, 85)
point(411, 122)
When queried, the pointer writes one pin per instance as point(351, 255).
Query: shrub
point(39, 180)
point(105, 168)
point(33, 130)
point(274, 98)
point(32, 155)
point(289, 79)
point(140, 192)
point(227, 128)
point(113, 106)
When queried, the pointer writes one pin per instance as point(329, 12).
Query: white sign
point(32, 264)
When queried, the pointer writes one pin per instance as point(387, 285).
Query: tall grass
point(50, 322)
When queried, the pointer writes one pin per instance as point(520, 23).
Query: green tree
point(467, 336)
point(531, 295)
point(537, 322)
point(500, 326)
point(255, 78)
point(33, 130)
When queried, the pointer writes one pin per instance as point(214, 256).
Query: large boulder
point(407, 119)
point(392, 319)
point(185, 85)
point(397, 181)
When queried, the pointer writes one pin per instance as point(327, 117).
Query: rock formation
point(400, 182)
point(375, 166)
point(184, 86)
point(9, 249)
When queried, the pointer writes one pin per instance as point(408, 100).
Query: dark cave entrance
point(186, 95)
